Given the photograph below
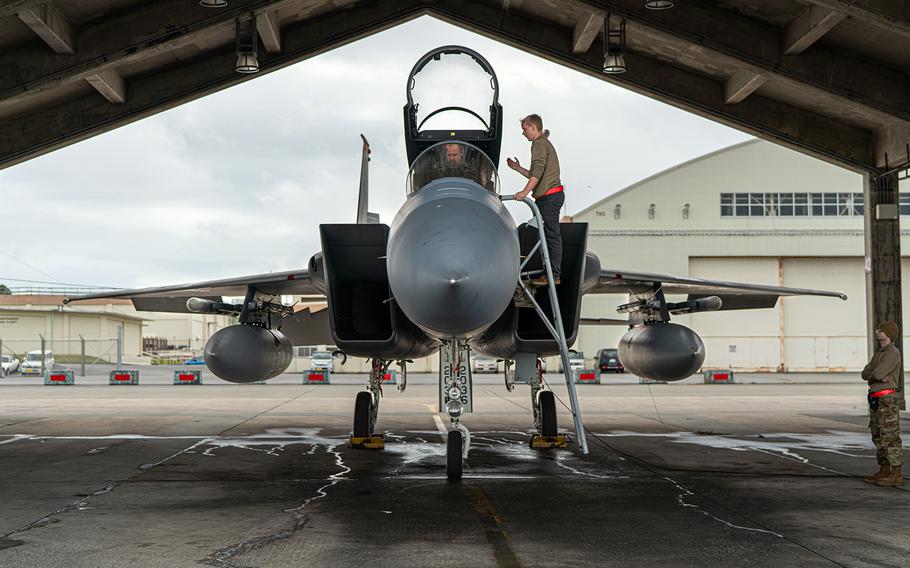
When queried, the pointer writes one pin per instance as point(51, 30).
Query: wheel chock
point(372, 442)
point(539, 442)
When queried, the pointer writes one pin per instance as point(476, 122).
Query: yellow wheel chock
point(372, 442)
point(539, 442)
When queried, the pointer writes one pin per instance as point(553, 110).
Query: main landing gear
point(366, 410)
point(543, 402)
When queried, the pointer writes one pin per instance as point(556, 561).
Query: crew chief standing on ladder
point(544, 185)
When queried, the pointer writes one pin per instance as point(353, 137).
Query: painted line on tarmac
point(440, 425)
point(490, 523)
point(469, 476)
point(16, 438)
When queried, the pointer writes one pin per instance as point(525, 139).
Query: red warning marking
point(387, 377)
point(721, 376)
point(58, 378)
point(586, 376)
point(316, 377)
point(189, 377)
point(122, 377)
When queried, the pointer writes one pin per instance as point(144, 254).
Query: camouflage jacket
point(884, 370)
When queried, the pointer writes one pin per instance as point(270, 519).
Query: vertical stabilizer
point(364, 197)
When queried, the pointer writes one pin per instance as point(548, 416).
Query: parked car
point(322, 360)
point(197, 360)
point(32, 363)
point(608, 361)
point(484, 365)
point(9, 363)
point(576, 361)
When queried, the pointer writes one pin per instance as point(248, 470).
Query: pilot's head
point(453, 155)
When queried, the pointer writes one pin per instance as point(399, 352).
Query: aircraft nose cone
point(453, 266)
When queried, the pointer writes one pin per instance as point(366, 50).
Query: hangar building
point(753, 212)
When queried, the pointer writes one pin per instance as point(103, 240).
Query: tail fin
point(364, 197)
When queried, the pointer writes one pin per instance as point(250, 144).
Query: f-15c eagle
point(450, 276)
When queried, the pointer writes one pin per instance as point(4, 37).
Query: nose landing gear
point(455, 399)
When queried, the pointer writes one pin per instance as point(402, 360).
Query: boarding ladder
point(558, 330)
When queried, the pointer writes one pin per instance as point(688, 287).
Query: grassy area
point(76, 359)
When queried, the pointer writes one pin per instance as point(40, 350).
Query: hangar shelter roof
point(826, 77)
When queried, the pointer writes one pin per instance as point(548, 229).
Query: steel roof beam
point(269, 31)
point(13, 7)
point(50, 25)
point(586, 31)
point(160, 27)
point(811, 24)
point(110, 84)
point(742, 84)
point(47, 129)
point(730, 39)
point(893, 15)
point(825, 137)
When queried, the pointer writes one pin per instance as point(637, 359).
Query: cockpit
point(453, 160)
point(453, 96)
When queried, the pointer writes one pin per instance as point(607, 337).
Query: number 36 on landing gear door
point(455, 397)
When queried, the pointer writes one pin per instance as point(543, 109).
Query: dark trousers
point(549, 206)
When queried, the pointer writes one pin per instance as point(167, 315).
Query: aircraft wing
point(734, 295)
point(173, 298)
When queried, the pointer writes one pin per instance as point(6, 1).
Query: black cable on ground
point(653, 469)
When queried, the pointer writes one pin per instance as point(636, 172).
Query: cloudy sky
point(237, 182)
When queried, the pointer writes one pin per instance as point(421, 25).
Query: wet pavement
point(260, 475)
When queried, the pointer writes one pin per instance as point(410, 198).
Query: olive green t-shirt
point(544, 165)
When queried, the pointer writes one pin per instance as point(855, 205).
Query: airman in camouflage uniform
point(883, 374)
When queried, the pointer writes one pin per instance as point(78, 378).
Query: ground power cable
point(647, 465)
point(653, 469)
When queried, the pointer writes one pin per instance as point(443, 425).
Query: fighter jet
point(450, 276)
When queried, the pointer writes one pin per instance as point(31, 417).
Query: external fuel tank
point(662, 351)
point(247, 353)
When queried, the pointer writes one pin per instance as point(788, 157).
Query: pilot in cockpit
point(453, 159)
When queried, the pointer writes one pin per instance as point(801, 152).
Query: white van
point(31, 365)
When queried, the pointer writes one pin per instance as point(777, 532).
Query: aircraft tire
point(362, 414)
point(547, 402)
point(454, 445)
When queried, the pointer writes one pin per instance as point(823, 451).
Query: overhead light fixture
point(614, 45)
point(247, 45)
point(213, 3)
point(658, 4)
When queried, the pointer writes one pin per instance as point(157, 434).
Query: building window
point(797, 204)
point(741, 200)
point(800, 204)
point(686, 211)
point(651, 209)
point(617, 211)
point(905, 204)
point(785, 204)
point(726, 204)
point(858, 205)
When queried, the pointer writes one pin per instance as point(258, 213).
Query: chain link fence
point(172, 350)
point(39, 354)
